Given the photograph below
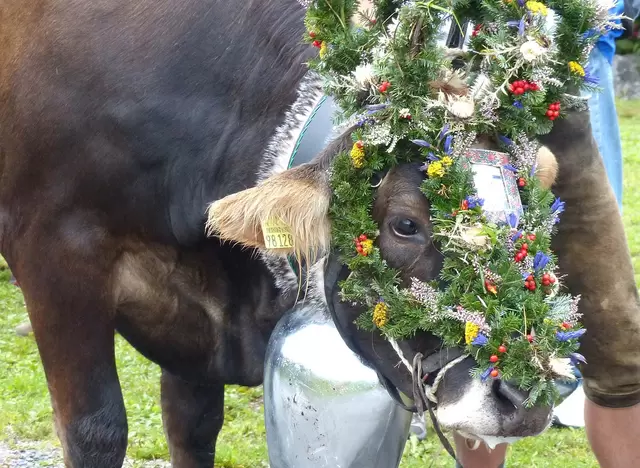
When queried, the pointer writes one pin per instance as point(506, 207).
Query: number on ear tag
point(277, 235)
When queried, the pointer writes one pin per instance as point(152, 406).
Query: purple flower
point(506, 141)
point(509, 167)
point(557, 206)
point(421, 143)
point(540, 261)
point(590, 77)
point(447, 144)
point(521, 3)
point(521, 27)
point(576, 358)
point(518, 104)
point(432, 157)
point(513, 220)
point(516, 236)
point(532, 172)
point(376, 107)
point(571, 335)
point(474, 201)
point(485, 375)
point(443, 132)
point(480, 340)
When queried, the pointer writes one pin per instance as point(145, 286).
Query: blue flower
point(518, 104)
point(532, 172)
point(421, 143)
point(511, 168)
point(513, 220)
point(521, 27)
point(443, 132)
point(557, 206)
point(432, 157)
point(576, 358)
point(447, 144)
point(474, 201)
point(571, 335)
point(485, 375)
point(540, 261)
point(506, 141)
point(516, 236)
point(480, 340)
point(521, 3)
point(590, 77)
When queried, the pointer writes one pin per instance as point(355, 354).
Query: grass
point(25, 411)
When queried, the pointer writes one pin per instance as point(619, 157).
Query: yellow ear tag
point(277, 235)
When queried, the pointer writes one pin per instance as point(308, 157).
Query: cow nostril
point(509, 393)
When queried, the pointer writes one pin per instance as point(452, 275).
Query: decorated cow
point(148, 188)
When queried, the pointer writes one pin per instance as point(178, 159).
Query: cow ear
point(296, 199)
point(546, 167)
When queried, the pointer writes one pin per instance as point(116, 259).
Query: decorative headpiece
point(388, 73)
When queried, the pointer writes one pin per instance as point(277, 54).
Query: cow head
point(300, 197)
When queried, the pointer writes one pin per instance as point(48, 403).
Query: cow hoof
point(24, 329)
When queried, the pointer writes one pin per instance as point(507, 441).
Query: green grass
point(25, 411)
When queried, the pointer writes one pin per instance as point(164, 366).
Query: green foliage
point(411, 105)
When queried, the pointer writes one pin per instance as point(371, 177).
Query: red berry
point(359, 248)
point(312, 34)
point(525, 246)
point(465, 205)
point(494, 373)
point(521, 182)
point(545, 282)
point(527, 87)
point(552, 118)
point(384, 86)
point(532, 286)
point(531, 237)
point(519, 91)
point(549, 113)
point(493, 358)
point(502, 349)
point(534, 86)
point(556, 113)
point(519, 257)
point(552, 279)
point(373, 21)
point(530, 338)
point(527, 284)
point(362, 238)
point(565, 325)
point(317, 43)
point(530, 278)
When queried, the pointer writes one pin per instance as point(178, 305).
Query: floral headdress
point(388, 73)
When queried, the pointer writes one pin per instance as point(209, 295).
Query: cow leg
point(65, 276)
point(193, 414)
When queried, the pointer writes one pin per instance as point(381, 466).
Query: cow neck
point(306, 130)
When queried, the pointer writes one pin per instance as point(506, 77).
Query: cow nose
point(509, 393)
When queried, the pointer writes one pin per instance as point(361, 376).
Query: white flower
point(363, 74)
point(562, 368)
point(531, 50)
point(471, 236)
point(405, 113)
point(462, 107)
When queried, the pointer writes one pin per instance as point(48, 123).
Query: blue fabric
point(607, 42)
point(604, 121)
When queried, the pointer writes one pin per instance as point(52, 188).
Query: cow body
point(119, 122)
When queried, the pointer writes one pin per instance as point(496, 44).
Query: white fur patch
point(471, 414)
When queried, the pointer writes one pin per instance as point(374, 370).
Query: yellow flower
point(471, 330)
point(537, 7)
point(576, 68)
point(380, 314)
point(447, 161)
point(323, 49)
point(367, 247)
point(357, 154)
point(435, 169)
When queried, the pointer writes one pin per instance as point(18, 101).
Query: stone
point(626, 76)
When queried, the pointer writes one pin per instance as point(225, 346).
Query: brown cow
point(120, 122)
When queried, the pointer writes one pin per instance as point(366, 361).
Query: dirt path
point(22, 454)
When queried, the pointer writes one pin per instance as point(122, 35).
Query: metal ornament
point(324, 407)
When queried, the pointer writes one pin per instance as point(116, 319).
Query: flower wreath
point(388, 73)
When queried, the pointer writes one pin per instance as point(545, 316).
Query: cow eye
point(405, 227)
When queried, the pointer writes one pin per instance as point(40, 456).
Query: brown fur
point(299, 197)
